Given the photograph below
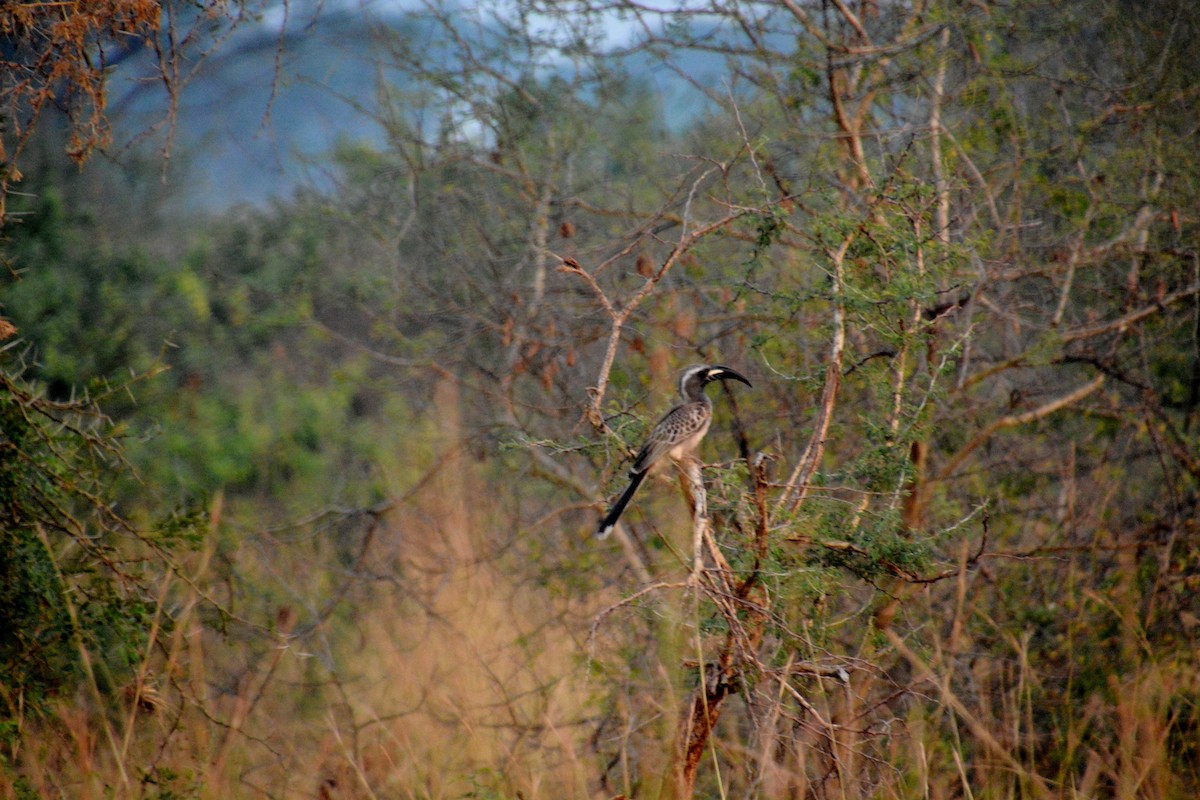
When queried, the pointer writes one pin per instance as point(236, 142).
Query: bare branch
point(1016, 420)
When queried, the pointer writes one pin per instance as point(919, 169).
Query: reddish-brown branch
point(618, 316)
point(724, 677)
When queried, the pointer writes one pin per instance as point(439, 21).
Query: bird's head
point(693, 379)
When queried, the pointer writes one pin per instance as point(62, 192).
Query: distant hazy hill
point(259, 108)
point(261, 111)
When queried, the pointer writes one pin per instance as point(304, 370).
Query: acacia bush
point(78, 609)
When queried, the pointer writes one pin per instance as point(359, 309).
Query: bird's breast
point(687, 446)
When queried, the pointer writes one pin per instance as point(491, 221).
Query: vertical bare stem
point(797, 485)
point(700, 522)
point(941, 185)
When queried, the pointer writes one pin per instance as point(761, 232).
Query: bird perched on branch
point(677, 435)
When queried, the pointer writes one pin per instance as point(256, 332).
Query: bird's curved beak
point(719, 373)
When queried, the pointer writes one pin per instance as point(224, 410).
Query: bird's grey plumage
point(677, 435)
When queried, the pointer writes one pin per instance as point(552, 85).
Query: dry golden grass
point(466, 682)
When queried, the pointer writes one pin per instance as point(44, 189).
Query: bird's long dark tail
point(610, 519)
